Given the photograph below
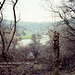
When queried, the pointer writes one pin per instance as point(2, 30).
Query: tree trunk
point(5, 55)
point(56, 53)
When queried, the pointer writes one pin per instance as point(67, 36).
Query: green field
point(27, 36)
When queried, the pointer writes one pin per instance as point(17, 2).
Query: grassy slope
point(27, 36)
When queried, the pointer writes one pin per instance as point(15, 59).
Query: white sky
point(31, 10)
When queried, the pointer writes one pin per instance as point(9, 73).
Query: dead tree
point(56, 53)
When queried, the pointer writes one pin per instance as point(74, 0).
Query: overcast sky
point(31, 11)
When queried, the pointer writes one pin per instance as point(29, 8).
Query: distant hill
point(30, 26)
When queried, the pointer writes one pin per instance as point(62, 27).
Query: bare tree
point(5, 46)
point(66, 11)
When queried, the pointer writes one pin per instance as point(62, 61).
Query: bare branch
point(70, 8)
point(57, 12)
point(67, 23)
point(3, 43)
point(69, 39)
point(71, 33)
point(2, 4)
point(14, 25)
point(1, 17)
point(19, 18)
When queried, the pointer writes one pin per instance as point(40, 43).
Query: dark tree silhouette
point(5, 48)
